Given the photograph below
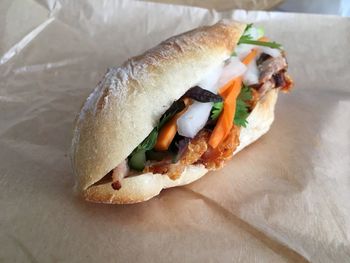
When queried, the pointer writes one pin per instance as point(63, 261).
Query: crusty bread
point(126, 105)
point(143, 187)
point(128, 102)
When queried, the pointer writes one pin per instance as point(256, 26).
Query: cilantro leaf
point(241, 114)
point(137, 158)
point(249, 26)
point(245, 93)
point(246, 35)
point(244, 40)
point(150, 140)
point(242, 107)
point(176, 107)
point(216, 110)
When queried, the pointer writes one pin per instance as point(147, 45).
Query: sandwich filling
point(203, 126)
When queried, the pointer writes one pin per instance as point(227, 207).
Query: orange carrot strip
point(168, 131)
point(225, 121)
point(263, 39)
point(227, 86)
point(166, 135)
point(230, 92)
point(249, 58)
point(230, 101)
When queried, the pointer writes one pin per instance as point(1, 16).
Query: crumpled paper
point(285, 198)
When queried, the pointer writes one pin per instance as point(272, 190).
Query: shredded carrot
point(249, 58)
point(224, 90)
point(229, 92)
point(225, 121)
point(263, 39)
point(168, 131)
point(166, 135)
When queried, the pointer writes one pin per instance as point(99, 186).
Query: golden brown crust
point(259, 120)
point(121, 111)
point(143, 187)
point(140, 188)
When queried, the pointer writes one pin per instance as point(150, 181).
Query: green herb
point(245, 94)
point(137, 158)
point(248, 27)
point(216, 110)
point(241, 114)
point(242, 107)
point(246, 35)
point(245, 40)
point(150, 140)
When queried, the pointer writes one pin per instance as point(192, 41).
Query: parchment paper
point(224, 5)
point(283, 199)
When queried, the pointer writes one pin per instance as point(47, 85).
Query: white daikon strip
point(251, 76)
point(194, 119)
point(233, 69)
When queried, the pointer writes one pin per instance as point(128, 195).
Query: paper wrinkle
point(47, 66)
point(51, 5)
point(284, 198)
point(24, 41)
point(267, 236)
point(342, 110)
point(54, 6)
point(23, 247)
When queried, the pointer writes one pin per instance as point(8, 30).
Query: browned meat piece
point(270, 67)
point(262, 58)
point(265, 87)
point(272, 74)
point(215, 158)
point(253, 101)
point(195, 149)
point(279, 79)
point(116, 185)
point(119, 173)
point(157, 167)
point(288, 83)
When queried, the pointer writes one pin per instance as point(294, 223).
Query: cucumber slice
point(138, 160)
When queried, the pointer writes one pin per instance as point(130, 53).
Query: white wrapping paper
point(283, 199)
point(223, 5)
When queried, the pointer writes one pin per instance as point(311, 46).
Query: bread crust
point(145, 186)
point(126, 105)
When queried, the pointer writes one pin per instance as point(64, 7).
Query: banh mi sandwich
point(183, 108)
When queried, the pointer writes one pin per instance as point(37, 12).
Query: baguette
point(127, 104)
